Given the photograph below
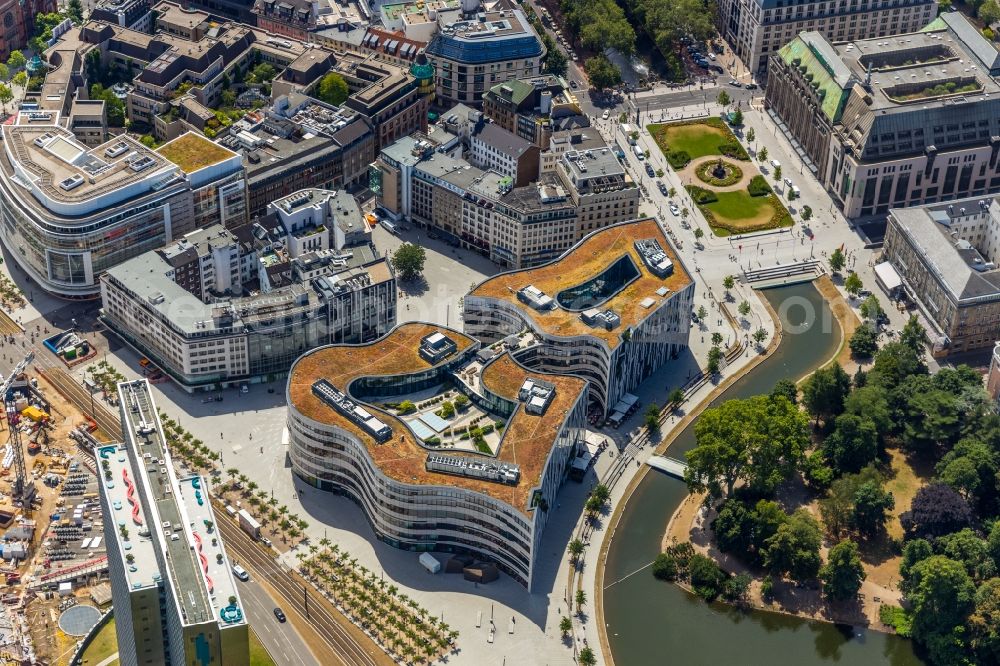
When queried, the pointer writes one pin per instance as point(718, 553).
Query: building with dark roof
point(946, 256)
point(534, 108)
point(893, 122)
point(472, 55)
point(494, 148)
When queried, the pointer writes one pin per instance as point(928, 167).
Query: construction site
point(54, 564)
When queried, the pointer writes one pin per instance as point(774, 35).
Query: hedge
point(735, 150)
point(700, 195)
point(678, 159)
point(758, 186)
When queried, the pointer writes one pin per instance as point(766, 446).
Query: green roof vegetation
point(192, 152)
point(939, 90)
point(798, 55)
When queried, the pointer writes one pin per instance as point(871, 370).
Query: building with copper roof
point(475, 479)
point(612, 310)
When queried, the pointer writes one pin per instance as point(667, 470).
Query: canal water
point(654, 622)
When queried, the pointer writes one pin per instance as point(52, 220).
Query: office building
point(175, 599)
point(420, 180)
point(493, 148)
point(71, 212)
point(893, 122)
point(611, 310)
point(132, 14)
point(472, 55)
point(534, 108)
point(756, 29)
point(300, 143)
point(421, 486)
point(224, 306)
point(946, 257)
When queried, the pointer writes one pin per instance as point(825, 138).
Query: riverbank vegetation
point(865, 499)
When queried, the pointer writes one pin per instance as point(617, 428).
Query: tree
point(872, 503)
point(744, 308)
point(6, 96)
point(941, 596)
point(16, 60)
point(581, 600)
point(575, 549)
point(967, 547)
point(675, 397)
point(823, 394)
point(714, 363)
point(871, 309)
point(777, 174)
point(971, 468)
point(794, 548)
point(989, 12)
point(74, 9)
point(556, 62)
point(699, 233)
point(853, 284)
point(757, 441)
point(263, 73)
point(914, 336)
point(587, 657)
point(983, 628)
point(653, 417)
point(115, 107)
point(20, 79)
point(724, 99)
point(4, 72)
point(702, 312)
point(837, 260)
point(936, 510)
point(762, 155)
point(707, 579)
point(408, 261)
point(807, 213)
point(665, 567)
point(787, 389)
point(843, 572)
point(853, 444)
point(751, 135)
point(716, 338)
point(760, 335)
point(864, 341)
point(332, 89)
point(737, 589)
point(737, 118)
point(602, 73)
point(565, 625)
point(728, 283)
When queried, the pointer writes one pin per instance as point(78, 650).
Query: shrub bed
point(700, 195)
point(758, 186)
point(678, 159)
point(734, 150)
point(733, 173)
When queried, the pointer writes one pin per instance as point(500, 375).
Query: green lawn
point(743, 213)
point(103, 646)
point(258, 653)
point(695, 140)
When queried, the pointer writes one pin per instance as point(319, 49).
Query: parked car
point(674, 210)
point(751, 86)
point(662, 187)
point(775, 163)
point(734, 82)
point(280, 614)
point(788, 181)
point(573, 84)
point(605, 115)
point(649, 171)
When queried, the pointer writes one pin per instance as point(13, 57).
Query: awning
point(617, 417)
point(887, 276)
point(630, 399)
point(622, 406)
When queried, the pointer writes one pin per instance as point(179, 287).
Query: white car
point(605, 115)
point(674, 210)
point(776, 164)
point(788, 181)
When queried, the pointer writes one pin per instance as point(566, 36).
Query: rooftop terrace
point(585, 261)
point(526, 441)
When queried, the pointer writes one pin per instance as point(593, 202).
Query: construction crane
point(21, 488)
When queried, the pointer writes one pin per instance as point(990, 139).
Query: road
point(314, 612)
point(281, 640)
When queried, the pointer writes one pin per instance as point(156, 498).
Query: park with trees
point(887, 478)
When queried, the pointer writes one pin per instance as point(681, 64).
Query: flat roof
point(584, 261)
point(192, 152)
point(526, 441)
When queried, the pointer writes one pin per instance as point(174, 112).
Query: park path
point(688, 174)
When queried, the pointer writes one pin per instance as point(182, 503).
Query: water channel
point(652, 622)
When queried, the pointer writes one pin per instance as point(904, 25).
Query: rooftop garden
point(911, 92)
point(191, 152)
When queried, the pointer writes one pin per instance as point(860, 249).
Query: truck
point(389, 226)
point(249, 524)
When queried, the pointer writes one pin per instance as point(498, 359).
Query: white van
point(638, 153)
point(241, 573)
